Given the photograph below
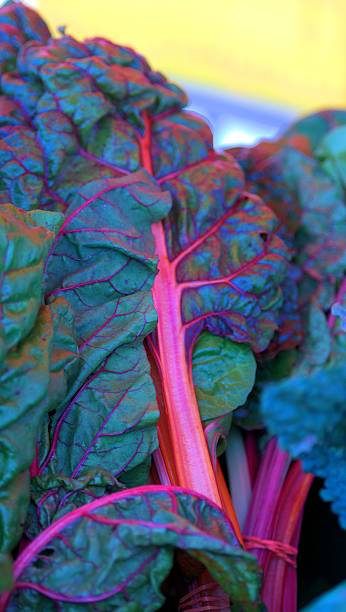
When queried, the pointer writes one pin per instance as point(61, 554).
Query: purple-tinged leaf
point(123, 544)
point(103, 263)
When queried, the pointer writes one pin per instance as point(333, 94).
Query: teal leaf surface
point(38, 354)
point(308, 415)
point(223, 375)
point(103, 263)
point(124, 543)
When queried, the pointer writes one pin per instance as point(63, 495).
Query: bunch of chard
point(153, 293)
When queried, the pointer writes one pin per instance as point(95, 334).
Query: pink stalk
point(182, 420)
point(161, 468)
point(267, 489)
point(288, 515)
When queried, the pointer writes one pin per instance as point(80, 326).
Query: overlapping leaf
point(18, 24)
point(103, 263)
point(124, 543)
point(223, 376)
point(229, 261)
point(38, 355)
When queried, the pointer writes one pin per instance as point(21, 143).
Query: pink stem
point(288, 514)
point(267, 489)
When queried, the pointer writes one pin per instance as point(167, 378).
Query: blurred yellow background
point(289, 52)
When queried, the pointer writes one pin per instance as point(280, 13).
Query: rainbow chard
point(114, 166)
point(167, 277)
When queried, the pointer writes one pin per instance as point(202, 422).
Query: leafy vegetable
point(38, 354)
point(242, 254)
point(85, 160)
point(223, 375)
point(105, 272)
point(124, 543)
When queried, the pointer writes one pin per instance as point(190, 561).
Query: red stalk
point(288, 515)
point(181, 435)
point(180, 418)
point(267, 489)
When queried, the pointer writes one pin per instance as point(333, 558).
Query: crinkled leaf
point(38, 356)
point(308, 414)
point(54, 495)
point(223, 374)
point(229, 262)
point(114, 87)
point(18, 24)
point(24, 244)
point(321, 238)
point(103, 263)
point(124, 543)
point(332, 154)
point(33, 380)
point(315, 126)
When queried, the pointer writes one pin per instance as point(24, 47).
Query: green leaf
point(39, 355)
point(124, 543)
point(332, 154)
point(223, 374)
point(103, 263)
point(24, 244)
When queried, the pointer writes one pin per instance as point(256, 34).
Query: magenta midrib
point(172, 175)
point(97, 435)
point(194, 467)
point(91, 598)
point(63, 417)
point(201, 239)
point(118, 184)
point(54, 529)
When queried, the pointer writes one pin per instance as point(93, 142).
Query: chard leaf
point(229, 278)
point(331, 152)
point(223, 374)
point(314, 127)
point(18, 24)
point(124, 543)
point(38, 355)
point(24, 244)
point(308, 415)
point(103, 263)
